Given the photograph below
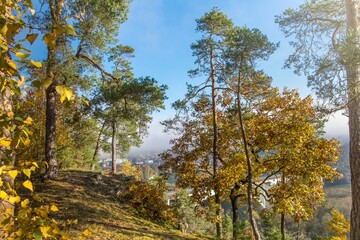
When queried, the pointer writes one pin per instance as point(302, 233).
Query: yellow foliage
point(338, 225)
point(28, 185)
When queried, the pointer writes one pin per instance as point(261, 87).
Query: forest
point(248, 160)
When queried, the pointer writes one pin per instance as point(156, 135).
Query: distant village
point(148, 163)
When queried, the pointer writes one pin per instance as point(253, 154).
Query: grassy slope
point(94, 204)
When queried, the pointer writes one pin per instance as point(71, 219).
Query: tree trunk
point(5, 106)
point(253, 224)
point(282, 217)
point(282, 226)
point(353, 82)
point(214, 148)
point(113, 148)
point(50, 135)
point(235, 213)
point(97, 147)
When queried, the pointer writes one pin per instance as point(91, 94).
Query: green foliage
point(227, 227)
point(323, 48)
point(270, 225)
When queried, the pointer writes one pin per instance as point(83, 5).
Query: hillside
point(92, 201)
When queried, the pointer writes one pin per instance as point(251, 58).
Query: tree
point(245, 47)
point(126, 107)
point(190, 156)
point(208, 50)
point(94, 27)
point(327, 51)
point(287, 131)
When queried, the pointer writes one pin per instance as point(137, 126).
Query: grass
point(93, 203)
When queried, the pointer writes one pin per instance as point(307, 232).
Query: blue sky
point(161, 31)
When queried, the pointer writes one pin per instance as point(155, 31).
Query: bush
point(148, 199)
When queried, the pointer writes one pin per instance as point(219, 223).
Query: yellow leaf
point(10, 114)
point(12, 65)
point(35, 164)
point(4, 30)
point(5, 142)
point(13, 173)
point(36, 64)
point(25, 203)
point(32, 11)
point(27, 142)
point(44, 230)
point(21, 81)
point(85, 234)
point(68, 94)
point(49, 39)
point(62, 98)
point(56, 230)
point(54, 208)
point(3, 195)
point(21, 55)
point(31, 37)
point(28, 185)
point(19, 232)
point(1, 182)
point(60, 89)
point(28, 120)
point(27, 172)
point(14, 200)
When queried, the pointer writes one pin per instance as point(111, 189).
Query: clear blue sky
point(161, 31)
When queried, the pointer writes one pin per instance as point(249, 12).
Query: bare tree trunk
point(50, 135)
point(214, 148)
point(52, 170)
point(113, 148)
point(50, 130)
point(235, 212)
point(282, 226)
point(97, 147)
point(253, 224)
point(353, 81)
point(282, 216)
